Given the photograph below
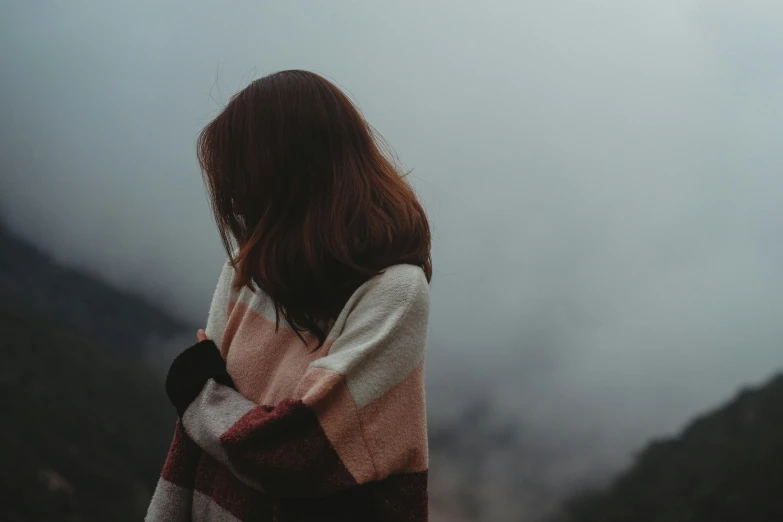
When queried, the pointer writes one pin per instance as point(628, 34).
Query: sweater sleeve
point(358, 414)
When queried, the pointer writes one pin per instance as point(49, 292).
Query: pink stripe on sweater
point(266, 365)
point(326, 392)
point(395, 427)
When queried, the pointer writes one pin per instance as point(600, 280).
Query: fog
point(603, 179)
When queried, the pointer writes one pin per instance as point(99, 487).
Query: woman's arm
point(357, 416)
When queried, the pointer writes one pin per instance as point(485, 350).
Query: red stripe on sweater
point(182, 459)
point(402, 497)
point(287, 451)
point(217, 482)
point(398, 498)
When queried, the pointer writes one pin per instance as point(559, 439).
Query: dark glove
point(191, 370)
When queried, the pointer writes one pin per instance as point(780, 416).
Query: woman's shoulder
point(382, 328)
point(400, 294)
point(400, 282)
point(397, 287)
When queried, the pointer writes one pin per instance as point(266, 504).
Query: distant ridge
point(115, 319)
point(726, 466)
point(85, 423)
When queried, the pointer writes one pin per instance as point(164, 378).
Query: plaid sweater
point(270, 430)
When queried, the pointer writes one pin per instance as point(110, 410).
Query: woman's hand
point(201, 335)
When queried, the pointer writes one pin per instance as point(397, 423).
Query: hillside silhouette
point(86, 424)
point(726, 466)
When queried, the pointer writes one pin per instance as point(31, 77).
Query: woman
point(304, 398)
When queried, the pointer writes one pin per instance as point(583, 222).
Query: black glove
point(191, 370)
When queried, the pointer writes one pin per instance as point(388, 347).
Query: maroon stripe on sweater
point(398, 498)
point(401, 497)
point(217, 482)
point(286, 450)
point(182, 459)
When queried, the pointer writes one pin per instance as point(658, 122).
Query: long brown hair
point(308, 201)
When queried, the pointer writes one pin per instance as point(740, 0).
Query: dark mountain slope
point(85, 424)
point(116, 320)
point(727, 466)
point(84, 434)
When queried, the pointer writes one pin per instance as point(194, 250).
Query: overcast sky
point(603, 178)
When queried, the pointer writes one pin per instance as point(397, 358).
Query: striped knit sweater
point(270, 430)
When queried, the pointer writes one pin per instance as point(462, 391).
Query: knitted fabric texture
point(294, 434)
